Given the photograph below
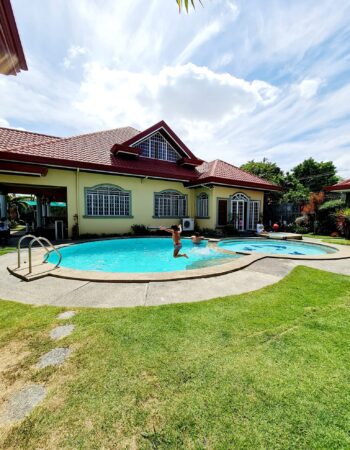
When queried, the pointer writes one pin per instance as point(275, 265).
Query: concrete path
point(74, 293)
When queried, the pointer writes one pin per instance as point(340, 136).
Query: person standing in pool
point(176, 231)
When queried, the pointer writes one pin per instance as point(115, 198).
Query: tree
point(265, 169)
point(186, 3)
point(295, 192)
point(314, 175)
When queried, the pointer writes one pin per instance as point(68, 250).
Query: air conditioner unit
point(188, 224)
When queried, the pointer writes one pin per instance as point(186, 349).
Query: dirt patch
point(12, 358)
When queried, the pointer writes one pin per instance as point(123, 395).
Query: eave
point(12, 59)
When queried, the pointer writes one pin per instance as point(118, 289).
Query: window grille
point(157, 147)
point(202, 205)
point(170, 204)
point(107, 201)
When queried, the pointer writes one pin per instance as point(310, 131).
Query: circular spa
point(275, 247)
point(139, 255)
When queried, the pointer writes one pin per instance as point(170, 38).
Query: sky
point(235, 79)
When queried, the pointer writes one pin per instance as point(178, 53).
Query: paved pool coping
point(40, 269)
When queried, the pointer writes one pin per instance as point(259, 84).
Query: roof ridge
point(99, 132)
point(30, 132)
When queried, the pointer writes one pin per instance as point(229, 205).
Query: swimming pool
point(275, 247)
point(138, 255)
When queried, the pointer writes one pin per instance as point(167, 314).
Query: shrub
point(208, 232)
point(301, 229)
point(230, 230)
point(343, 222)
point(139, 230)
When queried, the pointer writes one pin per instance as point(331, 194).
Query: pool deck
point(84, 293)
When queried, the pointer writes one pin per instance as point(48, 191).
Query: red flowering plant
point(343, 222)
point(311, 208)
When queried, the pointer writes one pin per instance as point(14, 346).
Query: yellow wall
point(142, 198)
point(142, 202)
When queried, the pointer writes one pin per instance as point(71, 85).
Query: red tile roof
point(219, 171)
point(12, 59)
point(96, 152)
point(341, 186)
point(10, 137)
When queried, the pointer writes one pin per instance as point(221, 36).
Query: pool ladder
point(40, 241)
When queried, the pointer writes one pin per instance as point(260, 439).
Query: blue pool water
point(138, 255)
point(275, 247)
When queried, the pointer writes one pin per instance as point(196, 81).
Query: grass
point(329, 239)
point(268, 369)
point(4, 250)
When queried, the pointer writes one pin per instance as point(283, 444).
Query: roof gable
point(164, 129)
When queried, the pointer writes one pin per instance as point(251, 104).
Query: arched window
point(158, 147)
point(240, 196)
point(107, 200)
point(202, 205)
point(170, 204)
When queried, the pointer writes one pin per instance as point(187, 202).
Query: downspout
point(77, 191)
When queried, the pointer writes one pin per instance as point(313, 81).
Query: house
point(113, 179)
point(343, 187)
point(12, 59)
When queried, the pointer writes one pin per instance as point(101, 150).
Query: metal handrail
point(35, 239)
point(27, 236)
point(38, 240)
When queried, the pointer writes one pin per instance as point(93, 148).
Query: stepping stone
point(54, 357)
point(66, 315)
point(23, 402)
point(61, 332)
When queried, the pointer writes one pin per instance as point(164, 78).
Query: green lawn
point(4, 250)
point(329, 239)
point(264, 370)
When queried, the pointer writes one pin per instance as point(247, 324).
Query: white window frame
point(165, 149)
point(107, 201)
point(202, 205)
point(170, 204)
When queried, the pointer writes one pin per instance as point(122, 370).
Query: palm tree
point(186, 3)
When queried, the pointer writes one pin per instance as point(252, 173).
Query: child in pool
point(176, 231)
point(196, 238)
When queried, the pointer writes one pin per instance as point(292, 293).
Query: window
point(107, 201)
point(158, 147)
point(170, 204)
point(202, 205)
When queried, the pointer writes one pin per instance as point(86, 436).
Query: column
point(3, 206)
point(39, 220)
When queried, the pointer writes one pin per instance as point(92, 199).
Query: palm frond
point(186, 3)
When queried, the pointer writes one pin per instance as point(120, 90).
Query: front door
point(222, 212)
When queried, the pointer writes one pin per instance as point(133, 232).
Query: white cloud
point(73, 53)
point(309, 88)
point(4, 123)
point(180, 94)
